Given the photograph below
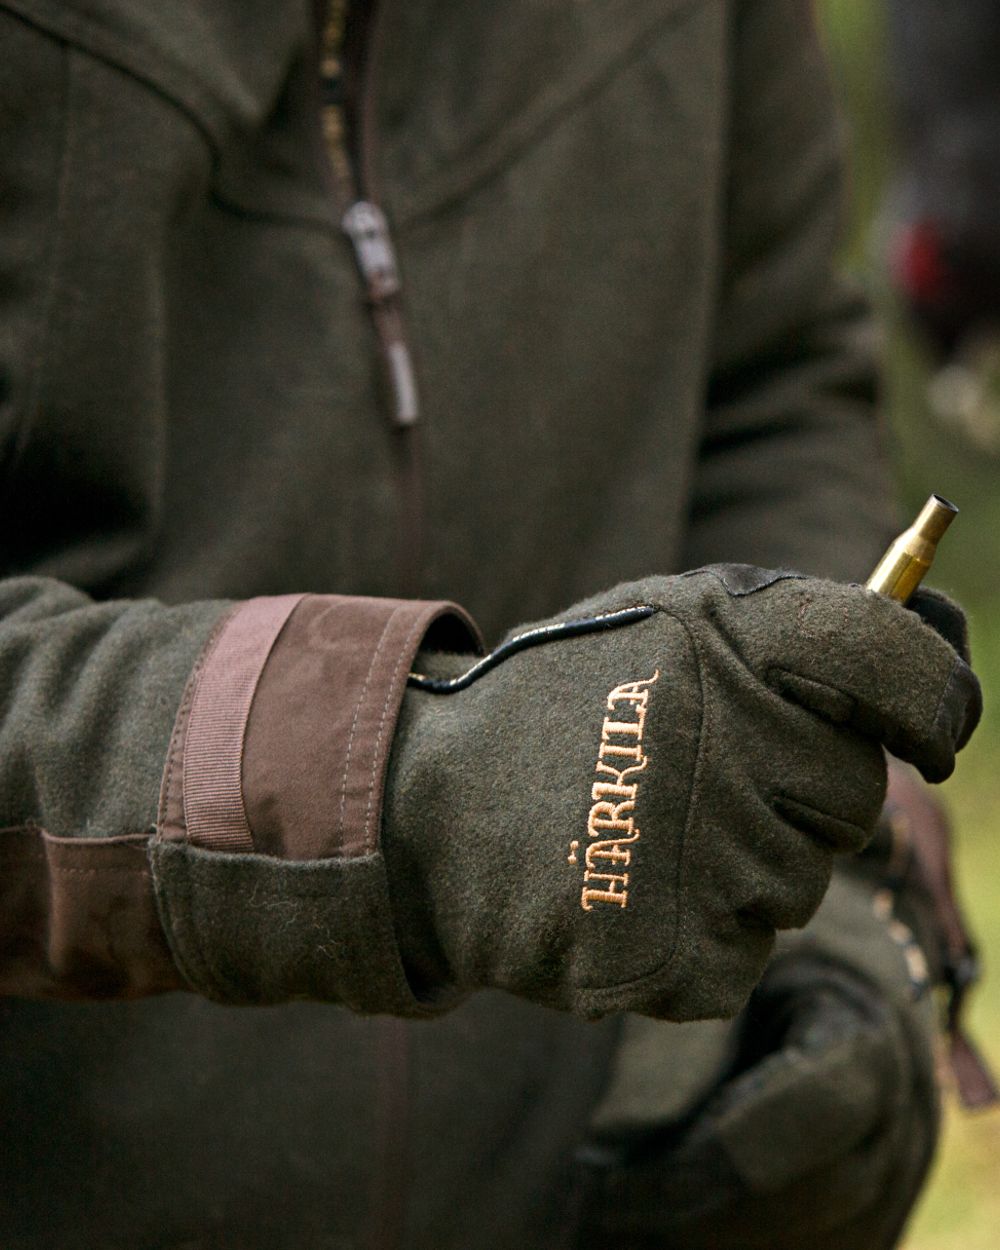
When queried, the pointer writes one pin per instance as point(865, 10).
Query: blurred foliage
point(960, 1209)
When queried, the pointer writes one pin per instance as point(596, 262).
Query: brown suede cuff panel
point(322, 723)
point(282, 740)
point(78, 918)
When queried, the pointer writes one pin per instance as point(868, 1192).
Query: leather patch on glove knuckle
point(744, 579)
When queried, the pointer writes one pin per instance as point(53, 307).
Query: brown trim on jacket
point(78, 918)
point(285, 733)
point(205, 762)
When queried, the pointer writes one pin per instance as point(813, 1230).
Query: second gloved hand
point(820, 1135)
point(618, 808)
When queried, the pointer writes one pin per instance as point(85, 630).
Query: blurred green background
point(960, 1209)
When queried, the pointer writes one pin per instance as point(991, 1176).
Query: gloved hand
point(617, 809)
point(819, 1136)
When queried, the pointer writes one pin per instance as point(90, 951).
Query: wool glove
point(822, 1125)
point(618, 808)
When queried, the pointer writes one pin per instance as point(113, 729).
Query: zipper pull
point(365, 225)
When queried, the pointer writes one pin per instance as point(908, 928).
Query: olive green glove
point(819, 1130)
point(618, 808)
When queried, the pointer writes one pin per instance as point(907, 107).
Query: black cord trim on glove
point(530, 638)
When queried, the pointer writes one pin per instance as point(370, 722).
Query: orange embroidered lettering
point(613, 894)
point(623, 739)
point(611, 748)
point(607, 790)
point(611, 848)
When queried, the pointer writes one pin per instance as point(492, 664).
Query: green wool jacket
point(224, 539)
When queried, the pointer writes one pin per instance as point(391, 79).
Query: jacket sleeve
point(179, 784)
point(792, 471)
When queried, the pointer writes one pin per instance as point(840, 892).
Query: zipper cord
point(346, 130)
point(349, 31)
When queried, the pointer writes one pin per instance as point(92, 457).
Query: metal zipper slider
point(365, 225)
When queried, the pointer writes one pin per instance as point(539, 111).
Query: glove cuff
point(267, 863)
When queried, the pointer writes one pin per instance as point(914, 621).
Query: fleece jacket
point(613, 224)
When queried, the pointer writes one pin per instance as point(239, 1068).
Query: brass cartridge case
point(902, 568)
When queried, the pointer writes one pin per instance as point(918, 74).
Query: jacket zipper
point(348, 126)
point(349, 55)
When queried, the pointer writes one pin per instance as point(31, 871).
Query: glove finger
point(771, 876)
point(830, 784)
point(944, 616)
point(821, 793)
point(861, 660)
